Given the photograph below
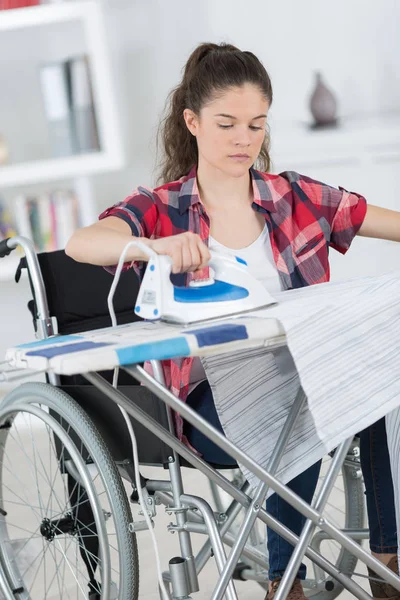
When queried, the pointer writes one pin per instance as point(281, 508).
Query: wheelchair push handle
point(5, 249)
point(44, 321)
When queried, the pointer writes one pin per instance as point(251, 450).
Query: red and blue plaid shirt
point(304, 217)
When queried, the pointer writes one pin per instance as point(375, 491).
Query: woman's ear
point(191, 121)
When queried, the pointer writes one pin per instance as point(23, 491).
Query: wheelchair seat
point(77, 298)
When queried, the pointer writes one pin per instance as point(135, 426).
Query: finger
point(186, 257)
point(195, 257)
point(176, 256)
point(204, 254)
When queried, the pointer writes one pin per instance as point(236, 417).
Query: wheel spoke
point(72, 571)
point(62, 556)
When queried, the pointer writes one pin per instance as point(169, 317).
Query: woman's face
point(230, 130)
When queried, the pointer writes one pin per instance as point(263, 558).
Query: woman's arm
point(103, 242)
point(381, 223)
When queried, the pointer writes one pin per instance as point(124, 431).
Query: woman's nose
point(242, 137)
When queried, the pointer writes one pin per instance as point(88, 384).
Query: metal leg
point(216, 498)
point(177, 491)
point(261, 492)
point(231, 514)
point(222, 442)
point(305, 537)
point(180, 513)
point(215, 539)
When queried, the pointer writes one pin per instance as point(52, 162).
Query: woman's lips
point(239, 157)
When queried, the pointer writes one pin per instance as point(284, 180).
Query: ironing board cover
point(137, 342)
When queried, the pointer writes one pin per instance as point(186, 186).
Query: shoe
point(381, 589)
point(296, 593)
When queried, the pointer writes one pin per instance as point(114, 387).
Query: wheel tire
point(54, 408)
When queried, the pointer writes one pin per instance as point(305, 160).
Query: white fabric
point(344, 339)
point(259, 258)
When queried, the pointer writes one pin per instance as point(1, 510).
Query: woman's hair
point(210, 70)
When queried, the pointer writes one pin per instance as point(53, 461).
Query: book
point(22, 220)
point(65, 206)
point(7, 227)
point(47, 227)
point(33, 212)
point(48, 220)
point(82, 107)
point(10, 4)
point(55, 92)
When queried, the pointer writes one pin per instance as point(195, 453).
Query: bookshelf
point(76, 168)
point(55, 169)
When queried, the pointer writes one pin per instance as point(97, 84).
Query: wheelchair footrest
point(139, 526)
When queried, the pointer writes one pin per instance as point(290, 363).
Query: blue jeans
point(375, 465)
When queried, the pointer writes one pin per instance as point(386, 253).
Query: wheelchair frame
point(183, 575)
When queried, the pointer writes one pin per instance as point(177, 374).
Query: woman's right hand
point(187, 251)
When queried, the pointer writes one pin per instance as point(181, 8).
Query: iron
point(231, 291)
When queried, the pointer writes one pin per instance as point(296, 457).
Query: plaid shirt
point(304, 218)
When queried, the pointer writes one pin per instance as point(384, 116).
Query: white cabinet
point(57, 29)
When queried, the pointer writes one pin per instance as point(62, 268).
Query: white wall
point(355, 43)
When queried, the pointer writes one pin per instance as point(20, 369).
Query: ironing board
point(366, 314)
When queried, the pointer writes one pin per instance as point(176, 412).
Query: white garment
point(343, 338)
point(261, 265)
point(259, 259)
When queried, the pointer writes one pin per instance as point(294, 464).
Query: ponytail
point(210, 69)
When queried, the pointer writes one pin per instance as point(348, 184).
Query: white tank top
point(261, 264)
point(259, 259)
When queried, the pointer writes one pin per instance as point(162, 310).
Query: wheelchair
point(67, 478)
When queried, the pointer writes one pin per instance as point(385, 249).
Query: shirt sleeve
point(344, 211)
point(138, 210)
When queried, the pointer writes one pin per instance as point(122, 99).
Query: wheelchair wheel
point(345, 509)
point(64, 513)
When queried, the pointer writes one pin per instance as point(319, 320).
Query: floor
point(194, 484)
point(246, 590)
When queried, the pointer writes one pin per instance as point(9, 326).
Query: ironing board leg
point(309, 527)
point(262, 474)
point(259, 497)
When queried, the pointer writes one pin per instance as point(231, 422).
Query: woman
point(212, 197)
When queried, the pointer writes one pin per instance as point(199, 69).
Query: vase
point(323, 104)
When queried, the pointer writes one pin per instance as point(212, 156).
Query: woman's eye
point(252, 127)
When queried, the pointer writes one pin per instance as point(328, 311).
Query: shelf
point(90, 15)
point(46, 14)
point(59, 168)
point(359, 139)
point(8, 266)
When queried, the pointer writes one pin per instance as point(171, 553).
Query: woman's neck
point(218, 191)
